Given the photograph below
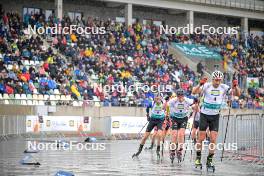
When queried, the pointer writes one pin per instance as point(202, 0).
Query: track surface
point(114, 160)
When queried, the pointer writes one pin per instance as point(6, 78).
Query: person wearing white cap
point(214, 94)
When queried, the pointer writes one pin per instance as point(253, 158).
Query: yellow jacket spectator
point(137, 38)
point(75, 91)
point(234, 54)
point(229, 46)
point(50, 60)
point(125, 74)
point(14, 46)
point(123, 40)
point(138, 46)
point(73, 38)
point(88, 52)
point(138, 27)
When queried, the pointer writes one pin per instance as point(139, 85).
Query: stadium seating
point(38, 76)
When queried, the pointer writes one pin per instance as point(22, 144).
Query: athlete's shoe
point(209, 162)
point(138, 152)
point(172, 155)
point(158, 152)
point(198, 163)
point(179, 155)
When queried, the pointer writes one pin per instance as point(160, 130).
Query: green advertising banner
point(199, 51)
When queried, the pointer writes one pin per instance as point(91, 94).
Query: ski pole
point(189, 136)
point(222, 156)
point(142, 129)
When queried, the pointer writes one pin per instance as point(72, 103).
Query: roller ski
point(138, 152)
point(198, 163)
point(209, 164)
point(179, 156)
point(172, 156)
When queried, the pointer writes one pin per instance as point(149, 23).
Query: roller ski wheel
point(198, 164)
point(210, 167)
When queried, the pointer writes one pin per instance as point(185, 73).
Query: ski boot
point(194, 141)
point(179, 155)
point(138, 152)
point(172, 156)
point(209, 164)
point(158, 152)
point(198, 162)
point(162, 149)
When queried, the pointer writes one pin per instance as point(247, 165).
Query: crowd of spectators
point(127, 56)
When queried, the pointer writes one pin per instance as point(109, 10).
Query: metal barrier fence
point(12, 126)
point(246, 131)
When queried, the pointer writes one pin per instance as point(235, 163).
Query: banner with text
point(199, 51)
point(127, 124)
point(58, 123)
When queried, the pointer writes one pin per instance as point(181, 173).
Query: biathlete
point(156, 116)
point(165, 129)
point(214, 94)
point(178, 109)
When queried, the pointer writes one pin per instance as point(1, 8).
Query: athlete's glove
point(203, 81)
point(235, 83)
point(148, 118)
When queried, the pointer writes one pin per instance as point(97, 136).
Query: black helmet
point(180, 92)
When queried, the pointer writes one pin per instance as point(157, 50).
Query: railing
point(246, 131)
point(11, 126)
point(255, 5)
point(59, 100)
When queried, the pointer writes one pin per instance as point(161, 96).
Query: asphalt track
point(115, 159)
